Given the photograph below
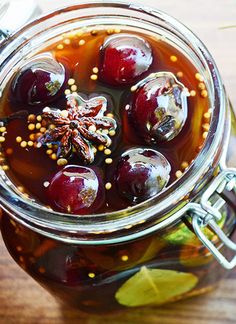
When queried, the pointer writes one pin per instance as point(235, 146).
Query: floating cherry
point(76, 190)
point(124, 58)
point(159, 107)
point(141, 174)
point(39, 81)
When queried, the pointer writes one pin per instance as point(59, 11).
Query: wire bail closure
point(205, 214)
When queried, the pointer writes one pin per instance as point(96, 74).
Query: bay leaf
point(154, 287)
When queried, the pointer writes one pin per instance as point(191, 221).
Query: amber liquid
point(89, 276)
point(30, 167)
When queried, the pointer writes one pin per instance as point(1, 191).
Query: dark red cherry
point(159, 107)
point(39, 81)
point(76, 190)
point(141, 174)
point(124, 58)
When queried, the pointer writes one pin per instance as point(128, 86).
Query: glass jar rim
point(33, 216)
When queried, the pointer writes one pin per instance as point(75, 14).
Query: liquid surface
point(121, 106)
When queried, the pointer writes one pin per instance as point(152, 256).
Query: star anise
point(79, 128)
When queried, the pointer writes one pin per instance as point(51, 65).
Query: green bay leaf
point(154, 287)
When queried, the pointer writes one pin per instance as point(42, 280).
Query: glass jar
point(172, 246)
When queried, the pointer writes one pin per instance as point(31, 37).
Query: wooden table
point(23, 301)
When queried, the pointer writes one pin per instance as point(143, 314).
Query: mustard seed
point(31, 127)
point(173, 58)
point(60, 46)
point(108, 161)
point(94, 77)
point(23, 144)
point(81, 42)
point(95, 70)
point(178, 174)
point(108, 186)
point(71, 82)
point(62, 161)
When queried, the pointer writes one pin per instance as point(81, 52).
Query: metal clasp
point(207, 214)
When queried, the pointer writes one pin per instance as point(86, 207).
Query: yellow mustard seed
point(173, 58)
point(178, 174)
point(71, 82)
point(73, 88)
point(117, 30)
point(184, 165)
point(108, 160)
point(95, 70)
point(206, 127)
point(81, 42)
point(31, 118)
point(60, 46)
point(204, 93)
point(207, 115)
point(112, 132)
point(67, 92)
point(201, 86)
point(39, 118)
point(21, 188)
point(93, 77)
point(110, 31)
point(133, 88)
point(43, 130)
point(199, 77)
point(18, 139)
point(179, 74)
point(32, 137)
point(2, 139)
point(49, 151)
point(193, 93)
point(31, 127)
point(23, 144)
point(53, 156)
point(30, 143)
point(5, 167)
point(108, 186)
point(62, 161)
point(91, 275)
point(124, 258)
point(66, 41)
point(107, 151)
point(204, 135)
point(100, 147)
point(2, 129)
point(38, 126)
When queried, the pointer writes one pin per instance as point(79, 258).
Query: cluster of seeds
point(75, 37)
point(3, 163)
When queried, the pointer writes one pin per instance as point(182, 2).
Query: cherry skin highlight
point(124, 59)
point(158, 110)
point(40, 81)
point(141, 174)
point(76, 190)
